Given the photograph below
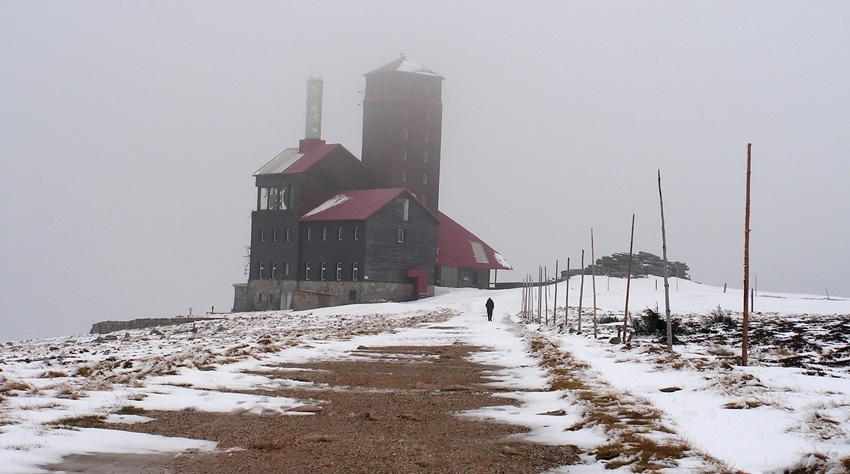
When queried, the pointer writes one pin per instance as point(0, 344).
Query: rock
point(307, 408)
point(670, 389)
point(510, 450)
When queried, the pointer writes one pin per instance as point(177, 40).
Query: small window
point(400, 236)
point(339, 271)
point(424, 179)
point(427, 136)
point(354, 271)
point(274, 270)
point(260, 297)
point(406, 112)
point(402, 209)
point(274, 234)
point(339, 233)
point(307, 271)
point(376, 86)
point(427, 88)
point(425, 157)
point(356, 233)
point(309, 234)
point(424, 199)
point(286, 268)
point(262, 235)
point(324, 233)
point(404, 175)
point(427, 115)
point(288, 234)
point(405, 134)
point(260, 270)
point(322, 269)
point(404, 154)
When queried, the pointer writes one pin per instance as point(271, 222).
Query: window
point(424, 179)
point(324, 233)
point(288, 234)
point(404, 175)
point(402, 209)
point(260, 271)
point(274, 234)
point(408, 86)
point(262, 235)
point(274, 270)
point(339, 233)
point(424, 199)
point(286, 268)
point(403, 154)
point(425, 157)
point(307, 271)
point(309, 233)
point(322, 269)
point(406, 112)
point(427, 115)
point(427, 136)
point(356, 233)
point(354, 270)
point(338, 271)
point(260, 297)
point(427, 88)
point(400, 236)
point(275, 198)
point(405, 134)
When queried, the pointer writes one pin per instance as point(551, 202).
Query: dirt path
point(395, 413)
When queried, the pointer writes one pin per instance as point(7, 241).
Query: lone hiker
point(490, 305)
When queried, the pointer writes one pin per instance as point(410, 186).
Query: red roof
point(357, 205)
point(292, 160)
point(403, 64)
point(458, 247)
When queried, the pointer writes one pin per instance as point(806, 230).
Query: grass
point(130, 410)
point(86, 421)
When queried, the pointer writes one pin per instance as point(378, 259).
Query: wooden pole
point(593, 279)
point(666, 270)
point(539, 294)
point(546, 293)
point(746, 325)
point(580, 293)
point(567, 299)
point(555, 297)
point(628, 282)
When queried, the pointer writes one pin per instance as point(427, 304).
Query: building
point(330, 229)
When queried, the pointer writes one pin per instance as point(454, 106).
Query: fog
point(129, 133)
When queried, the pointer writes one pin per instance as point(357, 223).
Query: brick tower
point(402, 128)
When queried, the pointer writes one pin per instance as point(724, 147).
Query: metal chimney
point(313, 128)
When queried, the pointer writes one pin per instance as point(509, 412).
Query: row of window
point(275, 271)
point(379, 85)
point(404, 156)
point(407, 135)
point(407, 114)
point(325, 233)
point(424, 177)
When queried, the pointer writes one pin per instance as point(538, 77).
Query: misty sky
point(129, 133)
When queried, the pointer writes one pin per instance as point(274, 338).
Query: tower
point(402, 128)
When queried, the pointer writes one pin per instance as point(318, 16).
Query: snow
point(334, 201)
point(760, 418)
point(410, 66)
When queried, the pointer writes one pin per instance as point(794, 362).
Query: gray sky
point(129, 132)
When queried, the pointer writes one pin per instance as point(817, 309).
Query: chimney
point(313, 128)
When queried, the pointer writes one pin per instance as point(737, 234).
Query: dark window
point(274, 234)
point(339, 233)
point(403, 154)
point(309, 233)
point(260, 270)
point(404, 175)
point(324, 233)
point(352, 295)
point(400, 235)
point(406, 112)
point(405, 133)
point(424, 178)
point(402, 209)
point(288, 234)
point(427, 136)
point(338, 271)
point(286, 268)
point(307, 271)
point(424, 199)
point(322, 269)
point(427, 115)
point(356, 233)
point(262, 235)
point(354, 271)
point(274, 270)
point(425, 157)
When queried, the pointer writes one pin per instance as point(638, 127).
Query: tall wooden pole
point(555, 297)
point(666, 270)
point(628, 282)
point(580, 293)
point(567, 299)
point(593, 279)
point(539, 294)
point(746, 325)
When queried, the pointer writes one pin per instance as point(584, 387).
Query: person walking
point(490, 305)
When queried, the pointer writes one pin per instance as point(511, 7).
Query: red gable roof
point(292, 160)
point(357, 205)
point(458, 247)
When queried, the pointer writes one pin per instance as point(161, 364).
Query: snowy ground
point(789, 407)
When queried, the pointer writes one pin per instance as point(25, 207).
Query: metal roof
point(357, 205)
point(403, 64)
point(292, 161)
point(458, 247)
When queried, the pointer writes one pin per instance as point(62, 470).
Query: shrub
point(651, 323)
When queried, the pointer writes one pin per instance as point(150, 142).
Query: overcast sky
point(129, 133)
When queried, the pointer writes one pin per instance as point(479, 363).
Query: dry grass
point(14, 386)
point(86, 421)
point(54, 374)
